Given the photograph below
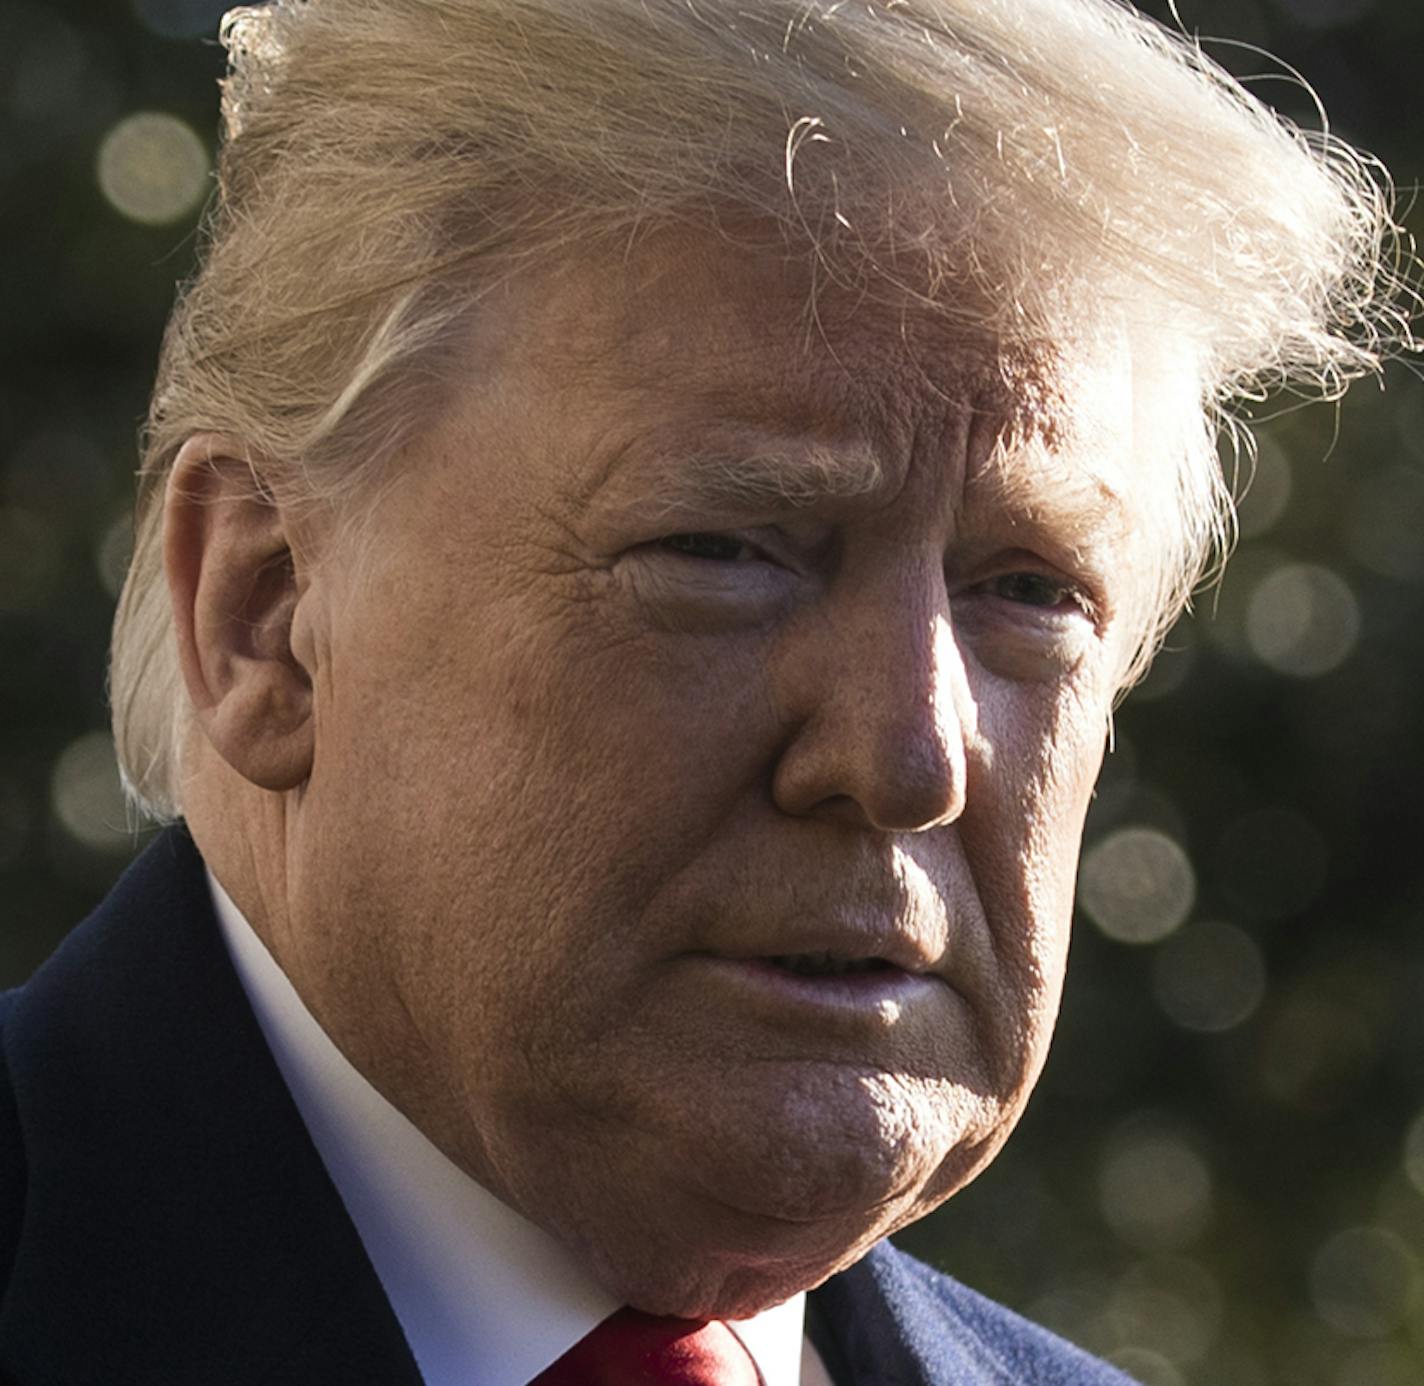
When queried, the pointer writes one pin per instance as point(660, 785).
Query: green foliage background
point(1226, 1189)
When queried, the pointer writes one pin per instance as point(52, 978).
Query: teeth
point(825, 964)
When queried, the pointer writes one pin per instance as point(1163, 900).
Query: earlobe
point(234, 583)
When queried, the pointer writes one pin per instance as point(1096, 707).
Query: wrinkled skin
point(525, 796)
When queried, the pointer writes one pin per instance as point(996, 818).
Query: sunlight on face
point(705, 758)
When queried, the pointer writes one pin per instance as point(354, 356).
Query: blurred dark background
point(1221, 1179)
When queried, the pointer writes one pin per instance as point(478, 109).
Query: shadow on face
point(700, 758)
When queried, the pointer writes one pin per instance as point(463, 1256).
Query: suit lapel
point(888, 1322)
point(180, 1225)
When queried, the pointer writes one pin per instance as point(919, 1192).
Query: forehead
point(750, 372)
point(753, 329)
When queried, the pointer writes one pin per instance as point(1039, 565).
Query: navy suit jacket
point(166, 1221)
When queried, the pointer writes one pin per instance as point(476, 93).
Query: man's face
point(702, 753)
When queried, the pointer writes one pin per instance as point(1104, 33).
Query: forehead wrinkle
point(832, 413)
point(736, 421)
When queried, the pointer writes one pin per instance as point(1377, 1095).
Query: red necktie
point(630, 1348)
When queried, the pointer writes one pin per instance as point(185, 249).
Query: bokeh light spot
point(1076, 1310)
point(153, 168)
point(1209, 977)
point(1137, 885)
point(1154, 1190)
point(1302, 620)
point(1169, 1304)
point(1223, 610)
point(1364, 1281)
point(87, 797)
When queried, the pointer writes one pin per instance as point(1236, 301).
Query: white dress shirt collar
point(485, 1298)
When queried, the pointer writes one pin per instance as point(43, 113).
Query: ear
point(234, 583)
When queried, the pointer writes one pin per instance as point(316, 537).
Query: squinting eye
point(1032, 589)
point(715, 548)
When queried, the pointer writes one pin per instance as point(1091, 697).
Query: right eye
point(709, 547)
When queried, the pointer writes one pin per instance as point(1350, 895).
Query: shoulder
point(893, 1318)
point(65, 1031)
point(1027, 1352)
point(12, 1156)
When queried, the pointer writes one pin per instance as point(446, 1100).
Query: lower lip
point(883, 994)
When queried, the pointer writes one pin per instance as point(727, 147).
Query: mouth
point(827, 964)
point(817, 986)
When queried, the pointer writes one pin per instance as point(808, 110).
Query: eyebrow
point(767, 472)
point(1036, 486)
point(755, 470)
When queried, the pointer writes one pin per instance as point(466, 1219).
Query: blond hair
point(1013, 161)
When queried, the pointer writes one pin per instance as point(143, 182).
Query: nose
point(881, 718)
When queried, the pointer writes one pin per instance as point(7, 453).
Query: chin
point(777, 1200)
point(843, 1147)
point(695, 1277)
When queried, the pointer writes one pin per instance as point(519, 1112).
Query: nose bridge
point(890, 706)
point(916, 694)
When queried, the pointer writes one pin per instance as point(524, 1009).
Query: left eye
point(712, 548)
point(1033, 589)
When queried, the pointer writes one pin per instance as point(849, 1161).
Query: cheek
point(1035, 786)
point(1042, 748)
point(544, 779)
